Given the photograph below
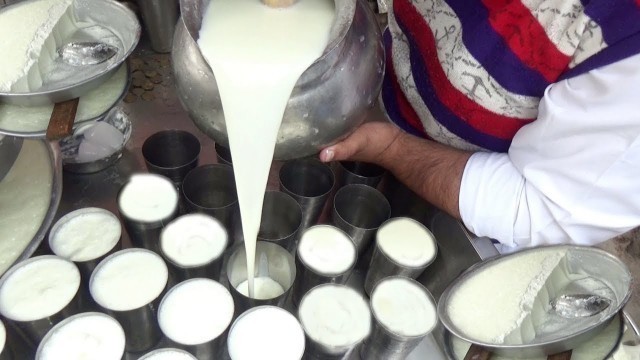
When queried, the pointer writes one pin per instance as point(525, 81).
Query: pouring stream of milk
point(257, 54)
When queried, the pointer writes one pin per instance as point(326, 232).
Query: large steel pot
point(329, 100)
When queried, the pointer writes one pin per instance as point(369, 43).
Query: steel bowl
point(593, 262)
point(330, 99)
point(113, 15)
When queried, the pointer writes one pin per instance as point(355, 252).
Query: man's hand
point(433, 171)
point(368, 143)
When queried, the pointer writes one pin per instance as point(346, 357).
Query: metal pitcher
point(330, 99)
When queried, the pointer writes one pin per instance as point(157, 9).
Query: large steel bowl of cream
point(330, 99)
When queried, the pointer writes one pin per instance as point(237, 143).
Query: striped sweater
point(470, 73)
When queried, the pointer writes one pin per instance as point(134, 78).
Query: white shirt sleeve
point(571, 176)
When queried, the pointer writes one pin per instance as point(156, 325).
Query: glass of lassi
point(168, 354)
point(193, 246)
point(274, 274)
point(147, 202)
point(403, 247)
point(194, 316)
point(128, 285)
point(37, 293)
point(88, 335)
point(325, 254)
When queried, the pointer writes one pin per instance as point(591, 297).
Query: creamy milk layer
point(36, 27)
point(258, 53)
point(38, 288)
point(128, 279)
point(91, 104)
point(93, 336)
point(25, 195)
point(266, 332)
point(403, 307)
point(85, 234)
point(335, 315)
point(264, 288)
point(327, 250)
point(193, 240)
point(195, 311)
point(407, 242)
point(148, 198)
point(505, 295)
point(168, 354)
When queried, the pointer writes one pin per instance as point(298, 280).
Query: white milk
point(84, 336)
point(327, 250)
point(128, 279)
point(407, 242)
point(335, 316)
point(38, 288)
point(168, 354)
point(267, 333)
point(148, 198)
point(85, 234)
point(403, 307)
point(193, 240)
point(195, 311)
point(257, 54)
point(264, 288)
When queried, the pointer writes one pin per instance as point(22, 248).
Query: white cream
point(128, 279)
point(148, 198)
point(264, 288)
point(266, 332)
point(39, 287)
point(91, 105)
point(193, 240)
point(93, 336)
point(504, 295)
point(85, 234)
point(327, 250)
point(36, 28)
point(259, 53)
point(25, 195)
point(195, 311)
point(407, 242)
point(335, 316)
point(403, 307)
point(168, 354)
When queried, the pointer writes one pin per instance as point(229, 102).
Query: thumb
point(343, 150)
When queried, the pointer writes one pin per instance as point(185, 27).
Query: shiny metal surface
point(86, 53)
point(109, 13)
point(593, 262)
point(281, 219)
point(330, 99)
point(10, 147)
point(171, 153)
point(159, 18)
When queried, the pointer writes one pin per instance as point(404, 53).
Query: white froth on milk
point(84, 336)
point(148, 198)
point(327, 250)
point(85, 235)
point(195, 311)
point(264, 288)
point(403, 307)
point(407, 242)
point(257, 54)
point(335, 316)
point(168, 354)
point(128, 279)
point(38, 288)
point(266, 332)
point(193, 240)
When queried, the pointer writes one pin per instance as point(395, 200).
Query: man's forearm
point(431, 170)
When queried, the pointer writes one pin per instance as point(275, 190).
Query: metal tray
point(109, 14)
point(55, 195)
point(594, 262)
point(38, 129)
